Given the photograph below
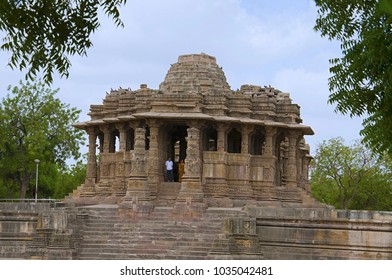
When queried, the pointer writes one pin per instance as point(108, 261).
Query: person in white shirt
point(169, 170)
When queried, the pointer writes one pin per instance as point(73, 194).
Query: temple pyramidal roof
point(196, 88)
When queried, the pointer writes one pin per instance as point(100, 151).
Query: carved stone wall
point(323, 234)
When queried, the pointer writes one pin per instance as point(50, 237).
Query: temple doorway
point(176, 146)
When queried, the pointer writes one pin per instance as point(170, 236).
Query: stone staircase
point(161, 235)
point(167, 193)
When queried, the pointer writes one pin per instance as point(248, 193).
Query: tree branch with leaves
point(361, 81)
point(42, 34)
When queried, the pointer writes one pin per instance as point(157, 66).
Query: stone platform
point(101, 232)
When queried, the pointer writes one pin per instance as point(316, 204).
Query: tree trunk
point(23, 183)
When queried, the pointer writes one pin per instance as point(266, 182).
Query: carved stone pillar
point(284, 161)
point(245, 140)
point(293, 148)
point(153, 157)
point(103, 186)
point(265, 190)
point(123, 137)
point(91, 172)
point(270, 133)
point(119, 186)
point(103, 160)
point(106, 138)
point(306, 159)
point(191, 193)
point(268, 155)
point(306, 163)
point(214, 172)
point(92, 157)
point(243, 190)
point(221, 135)
point(139, 168)
point(193, 162)
point(129, 153)
point(137, 198)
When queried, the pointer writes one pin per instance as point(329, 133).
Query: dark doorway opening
point(234, 141)
point(176, 147)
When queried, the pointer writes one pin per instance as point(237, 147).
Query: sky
point(259, 42)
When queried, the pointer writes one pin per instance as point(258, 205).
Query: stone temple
point(243, 192)
point(239, 146)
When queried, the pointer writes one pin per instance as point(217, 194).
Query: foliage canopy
point(361, 82)
point(42, 34)
point(351, 177)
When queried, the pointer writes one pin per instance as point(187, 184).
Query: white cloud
point(258, 42)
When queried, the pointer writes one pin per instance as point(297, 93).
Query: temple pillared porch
point(238, 147)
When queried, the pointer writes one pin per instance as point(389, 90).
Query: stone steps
point(11, 248)
point(167, 193)
point(144, 253)
point(152, 237)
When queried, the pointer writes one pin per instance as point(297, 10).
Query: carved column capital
point(271, 131)
point(246, 129)
point(153, 123)
point(104, 128)
point(91, 130)
point(222, 127)
point(121, 126)
point(295, 134)
point(132, 124)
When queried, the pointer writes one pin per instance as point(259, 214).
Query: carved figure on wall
point(266, 172)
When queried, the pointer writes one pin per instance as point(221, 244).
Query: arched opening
point(114, 141)
point(176, 146)
point(210, 137)
point(257, 142)
point(100, 141)
point(234, 141)
point(129, 139)
point(177, 143)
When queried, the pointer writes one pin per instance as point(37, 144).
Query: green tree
point(8, 188)
point(42, 34)
point(361, 82)
point(35, 125)
point(351, 177)
point(69, 179)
